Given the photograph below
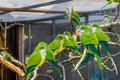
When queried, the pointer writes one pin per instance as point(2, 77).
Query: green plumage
point(88, 37)
point(75, 18)
point(50, 54)
point(101, 36)
point(57, 43)
point(109, 2)
point(108, 20)
point(103, 40)
point(6, 56)
point(69, 40)
point(89, 40)
point(41, 54)
point(35, 58)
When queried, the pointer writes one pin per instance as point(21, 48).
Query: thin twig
point(34, 74)
point(63, 69)
point(46, 76)
point(79, 73)
point(70, 59)
point(108, 68)
point(118, 11)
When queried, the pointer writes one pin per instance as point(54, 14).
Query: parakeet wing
point(88, 38)
point(50, 54)
point(33, 59)
point(101, 36)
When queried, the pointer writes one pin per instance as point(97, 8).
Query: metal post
point(86, 19)
point(53, 29)
point(5, 38)
point(29, 39)
point(20, 34)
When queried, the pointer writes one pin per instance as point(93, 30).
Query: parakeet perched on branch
point(110, 2)
point(108, 20)
point(73, 17)
point(57, 44)
point(90, 42)
point(70, 42)
point(103, 40)
point(41, 54)
point(6, 56)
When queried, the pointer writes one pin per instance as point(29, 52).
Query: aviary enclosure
point(65, 40)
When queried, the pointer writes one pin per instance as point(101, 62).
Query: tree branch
point(63, 69)
point(113, 24)
point(46, 76)
point(11, 66)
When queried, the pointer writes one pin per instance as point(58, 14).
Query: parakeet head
point(106, 15)
point(60, 36)
point(96, 25)
point(67, 33)
point(85, 28)
point(40, 46)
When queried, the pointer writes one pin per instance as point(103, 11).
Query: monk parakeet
point(103, 40)
point(108, 20)
point(110, 2)
point(70, 42)
point(73, 17)
point(40, 54)
point(90, 42)
point(6, 56)
point(57, 44)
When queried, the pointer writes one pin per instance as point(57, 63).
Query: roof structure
point(26, 10)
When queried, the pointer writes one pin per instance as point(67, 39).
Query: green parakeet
point(36, 59)
point(57, 44)
point(110, 2)
point(75, 18)
point(70, 42)
point(107, 20)
point(90, 42)
point(103, 40)
point(41, 54)
point(6, 56)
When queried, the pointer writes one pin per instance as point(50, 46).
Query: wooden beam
point(40, 5)
point(36, 11)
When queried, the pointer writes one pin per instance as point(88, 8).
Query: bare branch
point(70, 59)
point(108, 68)
point(11, 66)
point(46, 76)
point(113, 24)
point(63, 69)
point(79, 73)
point(34, 74)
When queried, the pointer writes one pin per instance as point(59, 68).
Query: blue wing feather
point(75, 49)
point(87, 58)
point(55, 66)
point(93, 49)
point(29, 71)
